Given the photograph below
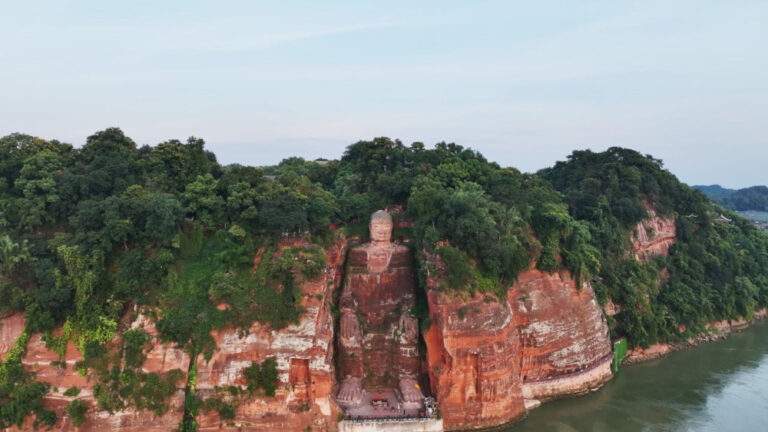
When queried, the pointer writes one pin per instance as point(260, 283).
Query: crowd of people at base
point(364, 418)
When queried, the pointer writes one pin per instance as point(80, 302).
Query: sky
point(523, 82)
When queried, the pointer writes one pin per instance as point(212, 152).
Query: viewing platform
point(382, 411)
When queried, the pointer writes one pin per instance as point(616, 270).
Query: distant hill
point(715, 191)
point(751, 198)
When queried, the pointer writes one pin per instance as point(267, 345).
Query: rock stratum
point(653, 235)
point(487, 360)
point(491, 361)
point(303, 351)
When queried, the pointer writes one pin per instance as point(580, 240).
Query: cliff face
point(60, 373)
point(489, 361)
point(472, 354)
point(565, 347)
point(11, 326)
point(304, 354)
point(653, 236)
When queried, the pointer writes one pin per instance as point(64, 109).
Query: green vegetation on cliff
point(454, 194)
point(20, 394)
point(87, 233)
point(718, 268)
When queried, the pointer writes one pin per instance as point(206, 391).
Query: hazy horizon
point(523, 84)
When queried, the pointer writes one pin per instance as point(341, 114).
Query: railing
point(367, 419)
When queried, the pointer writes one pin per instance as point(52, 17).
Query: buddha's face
point(381, 230)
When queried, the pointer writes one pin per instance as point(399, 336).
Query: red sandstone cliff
point(11, 326)
point(304, 362)
point(653, 236)
point(472, 354)
point(490, 360)
point(60, 373)
point(304, 354)
point(565, 348)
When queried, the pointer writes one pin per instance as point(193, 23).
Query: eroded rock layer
point(487, 360)
point(472, 353)
point(304, 354)
point(490, 360)
point(654, 235)
point(11, 326)
point(61, 374)
point(563, 334)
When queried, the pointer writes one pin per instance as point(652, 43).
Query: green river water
point(721, 386)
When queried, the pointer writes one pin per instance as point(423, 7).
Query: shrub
point(262, 376)
point(72, 391)
point(133, 347)
point(76, 410)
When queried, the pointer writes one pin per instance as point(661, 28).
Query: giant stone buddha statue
point(378, 336)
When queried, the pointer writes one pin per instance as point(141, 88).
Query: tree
point(242, 206)
point(262, 375)
point(163, 215)
point(37, 185)
point(202, 200)
point(107, 164)
point(83, 275)
point(16, 148)
point(283, 213)
point(173, 164)
point(76, 410)
point(12, 254)
point(100, 224)
point(320, 208)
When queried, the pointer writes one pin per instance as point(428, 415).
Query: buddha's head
point(381, 228)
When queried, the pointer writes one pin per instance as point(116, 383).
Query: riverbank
point(716, 331)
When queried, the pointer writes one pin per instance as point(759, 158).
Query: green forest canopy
point(87, 232)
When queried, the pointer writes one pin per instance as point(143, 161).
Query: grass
point(220, 269)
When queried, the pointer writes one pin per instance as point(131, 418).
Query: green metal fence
point(619, 352)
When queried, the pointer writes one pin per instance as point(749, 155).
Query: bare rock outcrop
point(304, 354)
point(60, 373)
point(472, 353)
point(565, 347)
point(11, 326)
point(491, 360)
point(653, 235)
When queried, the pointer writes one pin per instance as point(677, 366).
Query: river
point(722, 386)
